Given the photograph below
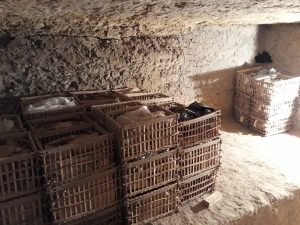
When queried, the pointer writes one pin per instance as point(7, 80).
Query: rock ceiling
point(124, 18)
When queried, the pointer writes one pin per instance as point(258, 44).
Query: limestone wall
point(198, 66)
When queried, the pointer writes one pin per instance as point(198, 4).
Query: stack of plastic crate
point(265, 103)
point(78, 166)
point(21, 199)
point(199, 155)
point(148, 154)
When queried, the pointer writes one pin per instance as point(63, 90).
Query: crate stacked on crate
point(199, 156)
point(21, 199)
point(87, 99)
point(265, 103)
point(78, 166)
point(148, 154)
point(145, 98)
point(44, 106)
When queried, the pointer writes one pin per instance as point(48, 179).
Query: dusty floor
point(259, 179)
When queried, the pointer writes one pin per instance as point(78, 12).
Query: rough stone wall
point(198, 66)
point(39, 64)
point(283, 43)
point(213, 54)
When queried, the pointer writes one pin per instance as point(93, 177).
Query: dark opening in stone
point(263, 57)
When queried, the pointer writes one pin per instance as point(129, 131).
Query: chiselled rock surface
point(116, 19)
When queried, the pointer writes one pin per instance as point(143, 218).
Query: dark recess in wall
point(263, 57)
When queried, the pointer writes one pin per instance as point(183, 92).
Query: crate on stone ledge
point(73, 153)
point(245, 82)
point(198, 185)
point(85, 196)
point(273, 126)
point(149, 98)
point(267, 110)
point(46, 112)
point(86, 99)
point(150, 173)
point(242, 101)
point(198, 130)
point(58, 122)
point(110, 216)
point(200, 158)
point(122, 92)
point(29, 209)
point(144, 138)
point(153, 205)
point(20, 167)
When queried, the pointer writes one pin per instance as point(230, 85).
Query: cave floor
point(259, 179)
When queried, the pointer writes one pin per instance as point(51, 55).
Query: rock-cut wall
point(200, 65)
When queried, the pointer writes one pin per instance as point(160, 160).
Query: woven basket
point(241, 116)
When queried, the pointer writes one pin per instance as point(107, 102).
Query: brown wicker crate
point(134, 141)
point(87, 99)
point(72, 161)
point(110, 216)
point(27, 210)
point(198, 185)
point(9, 106)
point(200, 158)
point(45, 124)
point(272, 91)
point(20, 173)
point(267, 110)
point(150, 173)
point(153, 205)
point(244, 82)
point(100, 110)
point(121, 93)
point(199, 130)
point(150, 98)
point(270, 127)
point(18, 126)
point(85, 196)
point(241, 116)
point(45, 114)
point(242, 101)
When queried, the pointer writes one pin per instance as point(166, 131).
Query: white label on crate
point(242, 119)
point(246, 80)
point(255, 123)
point(259, 107)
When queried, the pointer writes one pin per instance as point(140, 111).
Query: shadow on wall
point(216, 89)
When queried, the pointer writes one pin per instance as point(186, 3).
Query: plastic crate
point(73, 161)
point(45, 114)
point(202, 157)
point(18, 126)
point(20, 173)
point(28, 210)
point(266, 110)
point(85, 196)
point(110, 216)
point(270, 127)
point(199, 130)
point(45, 124)
point(153, 205)
point(121, 93)
point(150, 98)
point(266, 88)
point(145, 138)
point(198, 185)
point(242, 101)
point(99, 111)
point(86, 99)
point(150, 173)
point(241, 116)
point(244, 82)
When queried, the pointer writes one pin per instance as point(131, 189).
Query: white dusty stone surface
point(200, 65)
point(116, 19)
point(259, 179)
